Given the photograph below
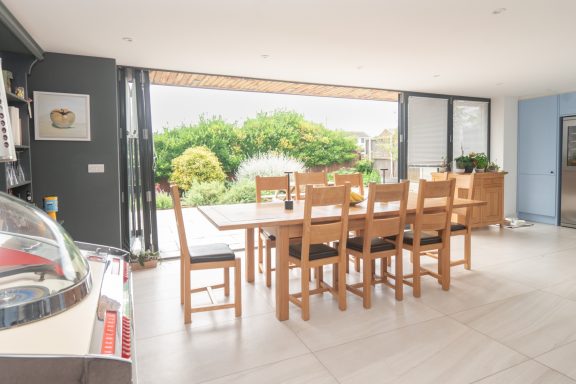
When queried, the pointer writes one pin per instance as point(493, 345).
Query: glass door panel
point(470, 127)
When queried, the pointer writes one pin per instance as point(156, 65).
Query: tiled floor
point(512, 319)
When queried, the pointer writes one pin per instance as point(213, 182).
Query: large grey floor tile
point(561, 359)
point(299, 370)
point(529, 372)
point(533, 323)
point(204, 353)
point(437, 351)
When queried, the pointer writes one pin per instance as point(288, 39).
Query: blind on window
point(470, 127)
point(427, 131)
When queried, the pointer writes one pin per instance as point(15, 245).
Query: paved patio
point(198, 231)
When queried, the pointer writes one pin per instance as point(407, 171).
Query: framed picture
point(61, 116)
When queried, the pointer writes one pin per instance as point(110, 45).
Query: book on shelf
point(15, 122)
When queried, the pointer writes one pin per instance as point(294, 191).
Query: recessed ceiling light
point(499, 84)
point(264, 56)
point(436, 76)
point(128, 39)
point(360, 67)
point(498, 11)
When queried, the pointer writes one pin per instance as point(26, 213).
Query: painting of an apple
point(62, 118)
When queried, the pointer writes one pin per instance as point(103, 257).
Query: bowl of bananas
point(355, 198)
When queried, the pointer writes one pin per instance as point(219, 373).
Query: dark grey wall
point(89, 203)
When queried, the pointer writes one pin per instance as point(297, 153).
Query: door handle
point(551, 172)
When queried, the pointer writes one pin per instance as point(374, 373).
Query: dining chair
point(462, 218)
point(355, 180)
point(202, 257)
point(267, 240)
point(439, 176)
point(430, 231)
point(376, 244)
point(313, 251)
point(308, 178)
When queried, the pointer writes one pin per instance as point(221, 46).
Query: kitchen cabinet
point(538, 145)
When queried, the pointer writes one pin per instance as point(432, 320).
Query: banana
point(356, 197)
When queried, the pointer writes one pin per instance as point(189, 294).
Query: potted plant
point(443, 166)
point(480, 161)
point(463, 164)
point(492, 167)
point(144, 259)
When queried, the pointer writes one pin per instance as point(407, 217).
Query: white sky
point(174, 106)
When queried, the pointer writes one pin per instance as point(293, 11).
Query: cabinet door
point(568, 104)
point(538, 141)
point(494, 196)
point(538, 128)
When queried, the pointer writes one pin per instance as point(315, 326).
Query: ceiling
point(461, 47)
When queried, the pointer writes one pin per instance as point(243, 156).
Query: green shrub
point(364, 166)
point(240, 192)
point(220, 137)
point(208, 193)
point(197, 164)
point(163, 200)
point(268, 164)
point(372, 176)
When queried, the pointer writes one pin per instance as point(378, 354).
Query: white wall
point(504, 146)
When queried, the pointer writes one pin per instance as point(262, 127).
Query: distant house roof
point(356, 134)
point(385, 133)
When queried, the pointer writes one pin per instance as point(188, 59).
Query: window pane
point(470, 127)
point(427, 135)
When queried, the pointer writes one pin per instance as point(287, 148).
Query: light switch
point(95, 168)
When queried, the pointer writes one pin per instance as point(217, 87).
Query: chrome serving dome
point(42, 271)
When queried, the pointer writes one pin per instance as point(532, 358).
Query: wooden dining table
point(286, 224)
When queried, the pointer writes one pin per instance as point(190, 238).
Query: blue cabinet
point(567, 103)
point(538, 143)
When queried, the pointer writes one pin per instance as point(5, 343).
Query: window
point(470, 127)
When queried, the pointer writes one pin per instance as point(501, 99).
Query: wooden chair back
point(355, 180)
point(272, 183)
point(308, 178)
point(438, 219)
point(465, 190)
point(184, 253)
point(439, 176)
point(318, 233)
point(388, 226)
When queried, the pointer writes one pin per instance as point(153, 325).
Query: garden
point(216, 162)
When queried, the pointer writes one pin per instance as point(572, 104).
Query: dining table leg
point(282, 277)
point(249, 254)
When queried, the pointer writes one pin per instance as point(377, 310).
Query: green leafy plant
point(208, 193)
point(197, 164)
point(492, 167)
point(480, 160)
point(364, 166)
point(143, 256)
point(464, 162)
point(240, 192)
point(163, 200)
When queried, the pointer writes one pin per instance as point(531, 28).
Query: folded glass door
point(426, 131)
point(471, 127)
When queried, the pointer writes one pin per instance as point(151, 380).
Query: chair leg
point(468, 251)
point(260, 254)
point(356, 264)
point(340, 273)
point(319, 276)
point(268, 266)
point(237, 289)
point(305, 298)
point(416, 290)
point(226, 281)
point(368, 266)
point(181, 281)
point(347, 263)
point(399, 271)
point(187, 299)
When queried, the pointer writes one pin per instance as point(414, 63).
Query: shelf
point(19, 184)
point(21, 147)
point(12, 97)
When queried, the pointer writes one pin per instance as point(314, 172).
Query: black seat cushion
point(457, 227)
point(317, 251)
point(425, 238)
point(378, 244)
point(210, 253)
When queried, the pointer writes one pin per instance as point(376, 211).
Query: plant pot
point(479, 170)
point(468, 169)
point(459, 170)
point(148, 264)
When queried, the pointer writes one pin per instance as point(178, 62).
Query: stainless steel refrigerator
point(568, 197)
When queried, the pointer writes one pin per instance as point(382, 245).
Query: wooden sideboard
point(487, 186)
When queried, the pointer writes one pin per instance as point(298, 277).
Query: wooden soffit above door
point(233, 83)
